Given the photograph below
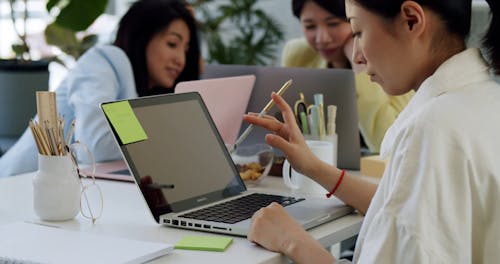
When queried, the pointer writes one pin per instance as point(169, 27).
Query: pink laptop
point(226, 100)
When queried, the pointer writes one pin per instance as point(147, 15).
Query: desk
point(126, 215)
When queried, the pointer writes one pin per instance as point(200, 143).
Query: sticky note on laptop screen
point(206, 243)
point(124, 121)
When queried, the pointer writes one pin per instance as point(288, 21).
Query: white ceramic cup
point(56, 188)
point(334, 139)
point(302, 185)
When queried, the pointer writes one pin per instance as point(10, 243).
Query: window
point(36, 24)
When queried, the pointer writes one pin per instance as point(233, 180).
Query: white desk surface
point(126, 215)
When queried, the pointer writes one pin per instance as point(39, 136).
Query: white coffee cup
point(56, 188)
point(302, 185)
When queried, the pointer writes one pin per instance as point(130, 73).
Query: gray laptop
point(186, 174)
point(336, 85)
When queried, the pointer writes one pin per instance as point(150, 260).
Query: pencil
point(42, 139)
point(37, 141)
point(264, 111)
point(70, 133)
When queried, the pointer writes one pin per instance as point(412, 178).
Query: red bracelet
point(342, 173)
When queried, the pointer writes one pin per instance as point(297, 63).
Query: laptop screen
point(227, 114)
point(183, 149)
point(337, 86)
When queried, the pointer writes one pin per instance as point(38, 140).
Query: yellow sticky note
point(124, 121)
point(206, 243)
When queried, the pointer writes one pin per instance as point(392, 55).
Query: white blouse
point(437, 201)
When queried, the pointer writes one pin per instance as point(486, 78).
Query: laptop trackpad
point(313, 210)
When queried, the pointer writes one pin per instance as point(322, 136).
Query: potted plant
point(73, 17)
point(22, 76)
point(238, 32)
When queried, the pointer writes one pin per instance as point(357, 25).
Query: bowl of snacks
point(253, 162)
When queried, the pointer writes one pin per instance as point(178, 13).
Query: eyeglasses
point(91, 199)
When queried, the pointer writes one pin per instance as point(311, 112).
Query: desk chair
point(6, 143)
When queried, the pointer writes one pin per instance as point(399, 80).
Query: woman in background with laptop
point(437, 200)
point(156, 47)
point(327, 43)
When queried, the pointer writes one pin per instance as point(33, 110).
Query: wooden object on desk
point(49, 130)
point(46, 108)
point(373, 166)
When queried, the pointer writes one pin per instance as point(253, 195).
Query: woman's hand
point(288, 137)
point(275, 230)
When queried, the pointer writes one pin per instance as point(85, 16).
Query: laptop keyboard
point(240, 209)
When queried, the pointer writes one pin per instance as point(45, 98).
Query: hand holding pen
point(262, 113)
point(286, 135)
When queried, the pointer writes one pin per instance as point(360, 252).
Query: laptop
point(336, 85)
point(226, 100)
point(186, 175)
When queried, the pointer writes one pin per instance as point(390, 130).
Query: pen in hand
point(160, 186)
point(263, 112)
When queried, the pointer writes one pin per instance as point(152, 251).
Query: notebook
point(226, 100)
point(336, 85)
point(112, 170)
point(186, 175)
point(34, 243)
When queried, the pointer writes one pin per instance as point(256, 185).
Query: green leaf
point(51, 4)
point(86, 43)
point(250, 35)
point(20, 50)
point(78, 15)
point(63, 38)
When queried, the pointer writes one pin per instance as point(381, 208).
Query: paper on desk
point(37, 243)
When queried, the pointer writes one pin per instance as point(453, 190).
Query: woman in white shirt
point(156, 46)
point(436, 202)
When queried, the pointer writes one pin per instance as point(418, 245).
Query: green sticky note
point(207, 243)
point(124, 121)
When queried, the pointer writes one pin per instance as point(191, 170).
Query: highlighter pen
point(318, 100)
point(264, 111)
point(313, 118)
point(332, 115)
point(304, 123)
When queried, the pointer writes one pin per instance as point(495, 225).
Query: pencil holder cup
point(300, 184)
point(334, 139)
point(56, 188)
point(335, 146)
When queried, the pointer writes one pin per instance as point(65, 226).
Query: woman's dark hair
point(140, 24)
point(456, 14)
point(336, 7)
